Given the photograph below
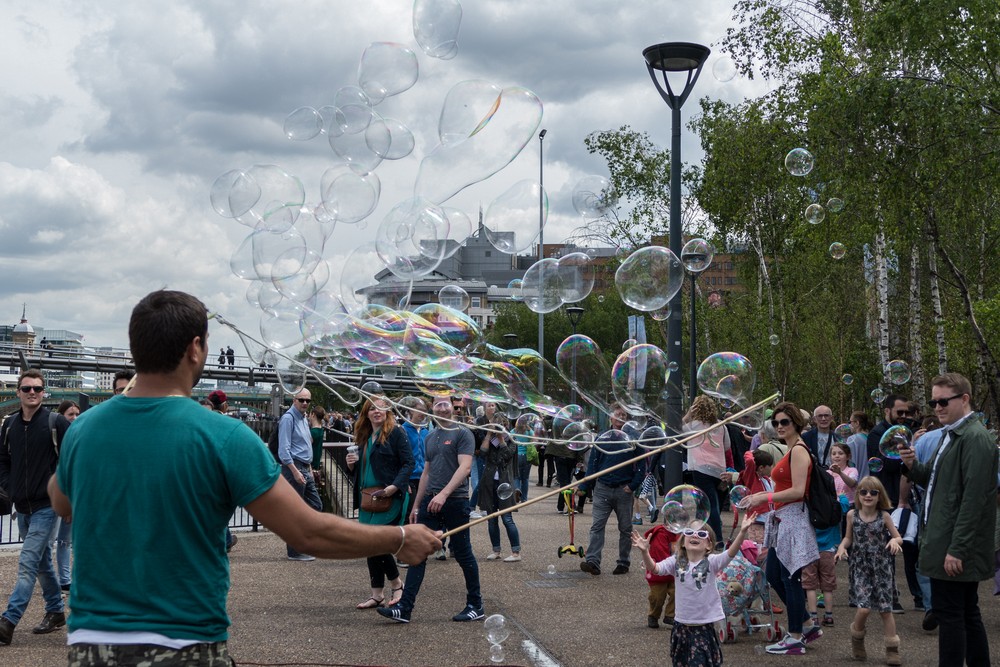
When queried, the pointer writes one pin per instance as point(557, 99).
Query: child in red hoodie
point(661, 587)
point(756, 476)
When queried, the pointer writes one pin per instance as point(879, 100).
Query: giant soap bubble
point(593, 196)
point(895, 438)
point(512, 223)
point(435, 27)
point(649, 278)
point(386, 69)
point(685, 506)
point(728, 376)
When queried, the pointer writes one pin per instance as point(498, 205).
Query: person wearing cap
point(219, 402)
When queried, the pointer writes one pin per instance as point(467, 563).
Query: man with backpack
point(29, 453)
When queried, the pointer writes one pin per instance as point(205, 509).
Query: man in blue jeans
point(295, 454)
point(612, 493)
point(442, 503)
point(29, 453)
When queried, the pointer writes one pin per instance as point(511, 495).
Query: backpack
point(821, 499)
point(272, 443)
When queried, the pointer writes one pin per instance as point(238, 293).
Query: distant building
point(47, 342)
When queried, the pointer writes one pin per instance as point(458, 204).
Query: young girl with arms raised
point(694, 641)
point(874, 542)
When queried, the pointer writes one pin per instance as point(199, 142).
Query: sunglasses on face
point(304, 400)
point(27, 389)
point(691, 532)
point(780, 422)
point(943, 402)
point(868, 492)
point(824, 416)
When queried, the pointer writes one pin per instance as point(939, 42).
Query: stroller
point(741, 585)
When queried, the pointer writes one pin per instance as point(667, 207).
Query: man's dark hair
point(162, 326)
point(126, 375)
point(33, 373)
point(890, 401)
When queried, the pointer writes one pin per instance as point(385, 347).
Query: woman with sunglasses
point(694, 641)
point(789, 533)
point(386, 460)
point(708, 455)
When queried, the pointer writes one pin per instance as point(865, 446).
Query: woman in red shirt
point(789, 532)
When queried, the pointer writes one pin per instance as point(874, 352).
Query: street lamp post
point(695, 260)
point(541, 251)
point(681, 58)
point(510, 340)
point(574, 313)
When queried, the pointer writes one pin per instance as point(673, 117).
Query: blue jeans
point(609, 499)
point(64, 539)
point(513, 536)
point(523, 473)
point(35, 563)
point(710, 486)
point(306, 491)
point(789, 588)
point(455, 513)
point(478, 464)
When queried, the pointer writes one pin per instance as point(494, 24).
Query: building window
point(475, 302)
point(489, 253)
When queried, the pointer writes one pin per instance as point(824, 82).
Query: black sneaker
point(621, 569)
point(930, 622)
point(470, 613)
point(590, 568)
point(897, 608)
point(394, 613)
point(6, 631)
point(652, 622)
point(52, 621)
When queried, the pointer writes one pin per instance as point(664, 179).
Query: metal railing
point(338, 495)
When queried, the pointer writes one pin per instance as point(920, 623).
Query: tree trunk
point(936, 309)
point(882, 299)
point(916, 335)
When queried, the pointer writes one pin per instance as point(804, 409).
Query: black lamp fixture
point(661, 60)
point(574, 313)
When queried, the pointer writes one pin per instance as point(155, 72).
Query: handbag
point(531, 454)
point(375, 503)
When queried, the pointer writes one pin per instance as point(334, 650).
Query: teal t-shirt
point(153, 483)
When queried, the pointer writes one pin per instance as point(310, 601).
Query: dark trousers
point(306, 491)
point(455, 513)
point(710, 486)
point(564, 474)
point(911, 553)
point(962, 636)
point(788, 586)
point(381, 568)
point(546, 462)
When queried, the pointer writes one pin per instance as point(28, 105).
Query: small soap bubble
point(303, 124)
point(843, 432)
point(551, 569)
point(455, 297)
point(773, 339)
point(895, 438)
point(874, 465)
point(593, 196)
point(629, 344)
point(505, 491)
point(600, 298)
point(799, 162)
point(673, 367)
point(497, 630)
point(685, 506)
point(371, 387)
point(838, 250)
point(497, 653)
point(815, 214)
point(724, 69)
point(877, 395)
point(847, 378)
point(737, 495)
point(697, 255)
point(835, 205)
point(898, 371)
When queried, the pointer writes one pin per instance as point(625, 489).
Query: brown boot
point(858, 644)
point(892, 656)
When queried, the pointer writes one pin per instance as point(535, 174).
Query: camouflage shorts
point(149, 655)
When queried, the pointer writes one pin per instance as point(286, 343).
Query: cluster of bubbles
point(685, 506)
point(497, 632)
point(800, 162)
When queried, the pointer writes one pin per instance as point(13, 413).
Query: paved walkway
point(292, 613)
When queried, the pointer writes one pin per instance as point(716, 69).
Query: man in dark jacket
point(956, 552)
point(29, 442)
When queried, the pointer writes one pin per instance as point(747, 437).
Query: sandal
point(370, 603)
point(394, 600)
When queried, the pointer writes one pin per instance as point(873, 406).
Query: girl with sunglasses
point(874, 543)
point(789, 534)
point(694, 641)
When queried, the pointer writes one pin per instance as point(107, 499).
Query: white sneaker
point(494, 556)
point(513, 558)
point(475, 515)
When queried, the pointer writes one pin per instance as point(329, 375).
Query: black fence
point(336, 489)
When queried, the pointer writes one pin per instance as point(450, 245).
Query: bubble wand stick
point(571, 485)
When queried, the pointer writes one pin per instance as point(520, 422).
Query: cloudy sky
point(118, 117)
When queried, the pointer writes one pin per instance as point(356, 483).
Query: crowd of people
point(430, 465)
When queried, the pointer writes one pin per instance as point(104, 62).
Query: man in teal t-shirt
point(150, 481)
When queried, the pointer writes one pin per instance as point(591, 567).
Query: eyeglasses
point(691, 532)
point(824, 416)
point(304, 400)
point(27, 389)
point(943, 402)
point(868, 492)
point(910, 413)
point(780, 422)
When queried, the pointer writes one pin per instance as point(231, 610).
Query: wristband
point(402, 532)
point(770, 497)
